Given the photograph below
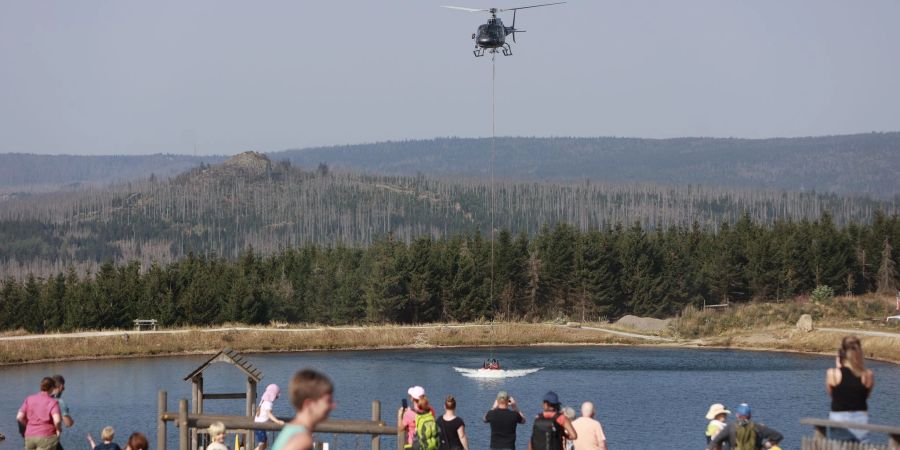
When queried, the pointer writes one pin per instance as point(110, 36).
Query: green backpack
point(745, 436)
point(427, 437)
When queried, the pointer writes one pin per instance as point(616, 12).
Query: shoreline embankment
point(122, 344)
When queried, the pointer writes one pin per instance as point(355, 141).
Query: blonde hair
point(422, 403)
point(216, 429)
point(108, 433)
point(853, 355)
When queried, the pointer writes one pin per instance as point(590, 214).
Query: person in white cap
point(716, 416)
point(419, 405)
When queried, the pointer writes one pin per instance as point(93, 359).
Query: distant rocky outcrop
point(643, 323)
point(250, 165)
point(252, 162)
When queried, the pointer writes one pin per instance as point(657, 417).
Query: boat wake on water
point(495, 373)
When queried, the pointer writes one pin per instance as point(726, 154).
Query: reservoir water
point(647, 398)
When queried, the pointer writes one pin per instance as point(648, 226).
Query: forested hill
point(27, 172)
point(861, 163)
point(250, 201)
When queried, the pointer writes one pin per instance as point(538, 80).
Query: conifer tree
point(887, 271)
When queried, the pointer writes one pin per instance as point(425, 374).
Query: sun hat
point(503, 395)
point(743, 410)
point(715, 410)
point(416, 392)
point(271, 393)
point(551, 398)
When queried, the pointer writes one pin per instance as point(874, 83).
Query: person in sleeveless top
point(849, 384)
point(312, 395)
point(453, 429)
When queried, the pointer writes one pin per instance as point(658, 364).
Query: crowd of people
point(553, 429)
point(849, 384)
point(44, 415)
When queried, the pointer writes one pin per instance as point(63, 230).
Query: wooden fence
point(820, 441)
point(187, 422)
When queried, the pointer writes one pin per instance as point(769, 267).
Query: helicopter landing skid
point(506, 50)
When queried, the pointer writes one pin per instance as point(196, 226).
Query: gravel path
point(86, 334)
point(860, 332)
point(631, 335)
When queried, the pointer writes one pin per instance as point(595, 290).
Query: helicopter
point(492, 35)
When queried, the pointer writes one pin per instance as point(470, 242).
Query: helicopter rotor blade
point(460, 8)
point(530, 6)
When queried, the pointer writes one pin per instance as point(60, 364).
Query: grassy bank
point(758, 326)
point(773, 326)
point(278, 339)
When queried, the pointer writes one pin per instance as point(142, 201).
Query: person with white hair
point(590, 431)
point(217, 437)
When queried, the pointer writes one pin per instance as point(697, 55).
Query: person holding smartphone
point(504, 417)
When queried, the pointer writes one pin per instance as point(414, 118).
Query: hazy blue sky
point(121, 76)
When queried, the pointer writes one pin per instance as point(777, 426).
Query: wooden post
point(401, 433)
point(249, 441)
point(161, 406)
point(195, 407)
point(376, 417)
point(183, 432)
point(199, 440)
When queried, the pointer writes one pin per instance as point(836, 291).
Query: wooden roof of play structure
point(231, 357)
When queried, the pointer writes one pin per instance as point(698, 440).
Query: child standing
point(106, 435)
point(716, 416)
point(217, 437)
point(264, 414)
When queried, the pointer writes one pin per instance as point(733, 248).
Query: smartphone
point(404, 404)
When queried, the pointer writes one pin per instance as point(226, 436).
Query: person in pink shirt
point(590, 432)
point(41, 417)
point(419, 406)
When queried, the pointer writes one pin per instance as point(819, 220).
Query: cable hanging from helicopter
point(491, 36)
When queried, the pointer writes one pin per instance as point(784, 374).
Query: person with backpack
point(504, 417)
point(419, 422)
point(744, 434)
point(551, 427)
point(452, 428)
